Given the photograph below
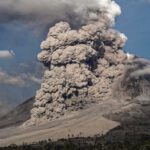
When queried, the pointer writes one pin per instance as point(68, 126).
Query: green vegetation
point(130, 142)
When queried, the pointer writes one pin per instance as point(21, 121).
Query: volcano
point(123, 101)
point(91, 85)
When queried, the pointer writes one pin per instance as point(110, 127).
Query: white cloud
point(35, 79)
point(30, 77)
point(6, 54)
point(10, 80)
point(21, 79)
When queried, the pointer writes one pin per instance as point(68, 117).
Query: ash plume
point(76, 12)
point(82, 64)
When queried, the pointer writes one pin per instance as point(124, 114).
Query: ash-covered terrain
point(91, 85)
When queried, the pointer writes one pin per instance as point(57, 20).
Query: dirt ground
point(88, 122)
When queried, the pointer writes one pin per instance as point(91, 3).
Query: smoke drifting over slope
point(49, 11)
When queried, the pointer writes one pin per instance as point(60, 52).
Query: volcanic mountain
point(90, 85)
point(96, 90)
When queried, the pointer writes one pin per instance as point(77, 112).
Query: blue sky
point(135, 23)
point(25, 42)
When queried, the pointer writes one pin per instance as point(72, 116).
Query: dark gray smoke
point(44, 12)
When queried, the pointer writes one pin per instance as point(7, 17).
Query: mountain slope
point(129, 108)
point(18, 115)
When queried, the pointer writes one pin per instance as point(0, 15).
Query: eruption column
point(82, 65)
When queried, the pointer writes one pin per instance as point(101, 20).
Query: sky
point(20, 64)
point(135, 23)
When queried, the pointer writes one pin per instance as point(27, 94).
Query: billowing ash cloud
point(6, 54)
point(45, 12)
point(83, 63)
